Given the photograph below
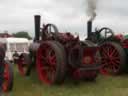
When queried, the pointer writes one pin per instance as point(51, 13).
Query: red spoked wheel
point(113, 58)
point(23, 63)
point(8, 77)
point(51, 62)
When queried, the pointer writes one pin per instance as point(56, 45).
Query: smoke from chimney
point(91, 9)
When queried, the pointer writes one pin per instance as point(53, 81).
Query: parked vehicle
point(14, 44)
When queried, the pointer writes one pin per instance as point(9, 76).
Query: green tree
point(126, 36)
point(22, 34)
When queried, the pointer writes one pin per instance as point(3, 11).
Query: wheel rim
point(46, 64)
point(22, 65)
point(110, 59)
point(6, 78)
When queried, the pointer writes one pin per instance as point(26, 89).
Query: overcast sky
point(68, 15)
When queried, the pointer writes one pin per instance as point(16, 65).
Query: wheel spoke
point(115, 64)
point(113, 52)
point(108, 51)
point(104, 51)
point(52, 60)
point(50, 73)
point(51, 57)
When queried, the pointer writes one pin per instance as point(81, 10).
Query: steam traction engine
point(113, 49)
point(58, 55)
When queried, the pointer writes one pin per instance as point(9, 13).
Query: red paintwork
point(6, 78)
point(77, 74)
point(65, 37)
point(119, 37)
point(90, 54)
point(125, 43)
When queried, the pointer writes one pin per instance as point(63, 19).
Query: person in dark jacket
point(15, 57)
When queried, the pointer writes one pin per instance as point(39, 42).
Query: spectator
point(15, 57)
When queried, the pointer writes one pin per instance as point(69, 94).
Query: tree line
point(22, 34)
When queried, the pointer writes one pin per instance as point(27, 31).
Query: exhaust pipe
point(89, 29)
point(37, 27)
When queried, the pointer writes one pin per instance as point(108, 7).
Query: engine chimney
point(37, 27)
point(89, 29)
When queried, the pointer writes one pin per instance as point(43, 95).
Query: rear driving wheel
point(51, 63)
point(8, 77)
point(113, 58)
point(23, 62)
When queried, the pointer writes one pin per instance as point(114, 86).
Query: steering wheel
point(49, 31)
point(107, 32)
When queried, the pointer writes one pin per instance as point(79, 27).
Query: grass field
point(103, 86)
